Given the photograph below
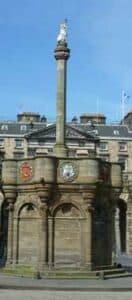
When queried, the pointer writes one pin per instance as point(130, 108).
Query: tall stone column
point(10, 198)
point(62, 54)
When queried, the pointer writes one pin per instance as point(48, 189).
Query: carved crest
point(26, 172)
point(68, 170)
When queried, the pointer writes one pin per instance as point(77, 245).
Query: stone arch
point(27, 234)
point(24, 199)
point(67, 235)
point(56, 206)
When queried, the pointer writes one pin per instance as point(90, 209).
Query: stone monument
point(58, 211)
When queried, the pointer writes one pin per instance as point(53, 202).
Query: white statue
point(62, 37)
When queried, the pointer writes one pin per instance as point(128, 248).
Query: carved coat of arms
point(68, 170)
point(26, 172)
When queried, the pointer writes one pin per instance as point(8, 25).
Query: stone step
point(119, 275)
point(114, 271)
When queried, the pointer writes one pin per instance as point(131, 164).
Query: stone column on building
point(43, 234)
point(10, 198)
point(89, 198)
point(129, 221)
point(114, 224)
point(61, 53)
point(50, 239)
point(117, 232)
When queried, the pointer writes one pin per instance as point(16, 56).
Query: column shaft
point(61, 102)
point(10, 235)
point(43, 239)
point(50, 239)
point(88, 241)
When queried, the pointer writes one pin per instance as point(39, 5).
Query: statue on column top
point(62, 37)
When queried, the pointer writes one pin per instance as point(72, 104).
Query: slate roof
point(95, 131)
point(16, 128)
point(107, 131)
point(114, 131)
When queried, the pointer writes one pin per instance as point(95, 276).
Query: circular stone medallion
point(26, 172)
point(68, 170)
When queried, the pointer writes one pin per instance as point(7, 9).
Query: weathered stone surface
point(58, 220)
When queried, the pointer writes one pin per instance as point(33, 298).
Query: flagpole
point(123, 107)
point(124, 97)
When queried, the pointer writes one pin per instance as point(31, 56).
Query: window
point(72, 153)
point(81, 143)
point(19, 143)
point(123, 161)
point(1, 143)
point(50, 150)
point(4, 127)
point(23, 127)
point(18, 155)
point(31, 152)
point(122, 147)
point(1, 156)
point(41, 143)
point(103, 146)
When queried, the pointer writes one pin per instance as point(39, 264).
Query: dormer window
point(96, 131)
point(116, 132)
point(23, 127)
point(4, 127)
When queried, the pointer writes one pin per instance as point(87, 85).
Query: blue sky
point(100, 66)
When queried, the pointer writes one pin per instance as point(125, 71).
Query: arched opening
point(28, 235)
point(122, 224)
point(67, 236)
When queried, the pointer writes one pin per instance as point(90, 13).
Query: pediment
point(50, 132)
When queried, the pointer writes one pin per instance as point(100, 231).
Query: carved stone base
point(60, 150)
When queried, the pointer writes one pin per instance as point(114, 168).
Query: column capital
point(43, 195)
point(10, 196)
point(89, 195)
point(62, 52)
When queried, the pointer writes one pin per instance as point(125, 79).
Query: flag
point(125, 96)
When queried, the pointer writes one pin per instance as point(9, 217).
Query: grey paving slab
point(7, 282)
point(47, 295)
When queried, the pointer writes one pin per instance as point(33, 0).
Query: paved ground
point(47, 295)
point(117, 284)
point(12, 288)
